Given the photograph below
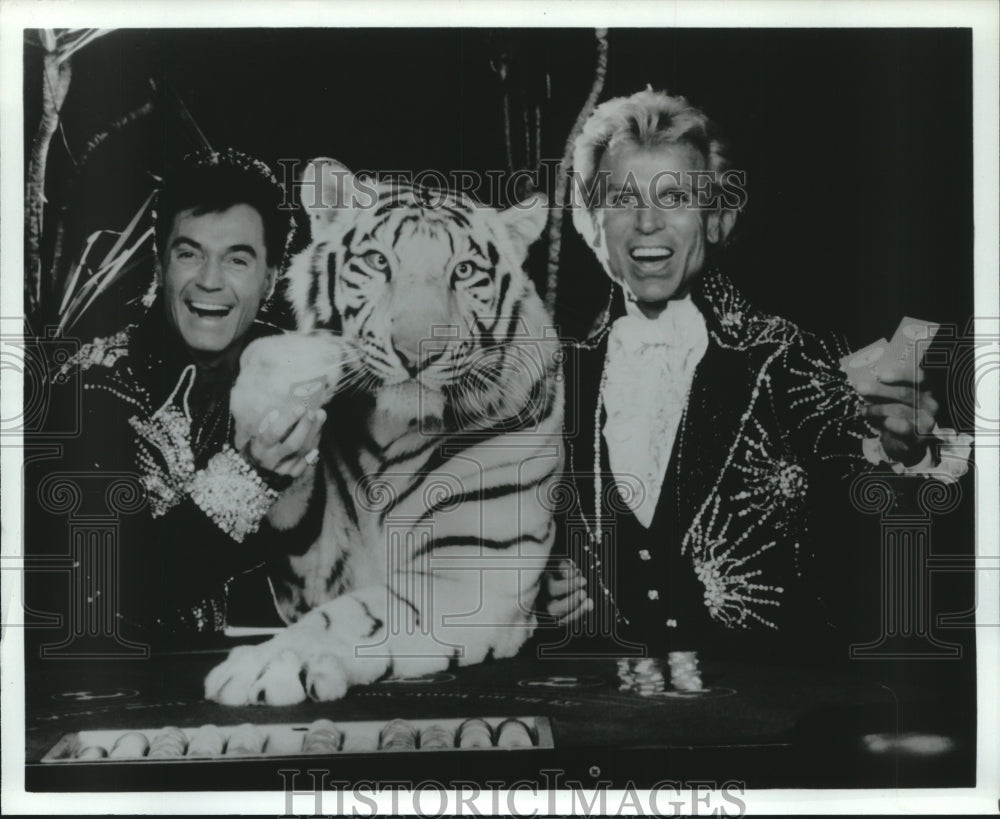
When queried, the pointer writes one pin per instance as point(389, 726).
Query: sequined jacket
point(768, 409)
point(177, 558)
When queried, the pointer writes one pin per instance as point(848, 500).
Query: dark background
point(856, 143)
point(857, 146)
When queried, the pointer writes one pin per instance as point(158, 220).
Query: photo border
point(980, 15)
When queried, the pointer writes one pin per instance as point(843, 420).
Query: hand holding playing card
point(904, 411)
point(887, 375)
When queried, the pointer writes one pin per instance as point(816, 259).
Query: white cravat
point(650, 367)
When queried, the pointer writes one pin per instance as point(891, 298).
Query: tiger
point(420, 545)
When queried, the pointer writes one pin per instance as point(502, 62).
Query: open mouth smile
point(650, 258)
point(208, 310)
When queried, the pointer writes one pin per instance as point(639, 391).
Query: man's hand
point(904, 411)
point(285, 441)
point(563, 589)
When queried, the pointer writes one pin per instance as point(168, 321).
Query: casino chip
point(246, 739)
point(643, 677)
point(207, 741)
point(132, 744)
point(323, 737)
point(646, 676)
point(397, 735)
point(684, 675)
point(169, 743)
point(475, 733)
point(512, 733)
point(435, 737)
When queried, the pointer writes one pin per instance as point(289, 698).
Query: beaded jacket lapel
point(710, 427)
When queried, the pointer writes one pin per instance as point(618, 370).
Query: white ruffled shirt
point(650, 368)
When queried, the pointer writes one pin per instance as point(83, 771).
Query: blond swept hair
point(648, 118)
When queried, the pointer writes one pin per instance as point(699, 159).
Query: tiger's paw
point(280, 373)
point(327, 678)
point(257, 675)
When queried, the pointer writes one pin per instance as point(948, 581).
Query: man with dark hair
point(210, 182)
point(156, 403)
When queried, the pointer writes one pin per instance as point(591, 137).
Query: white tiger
point(422, 541)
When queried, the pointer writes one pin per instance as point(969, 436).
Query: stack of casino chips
point(646, 677)
point(512, 733)
point(132, 744)
point(170, 742)
point(435, 737)
point(207, 741)
point(245, 740)
point(475, 733)
point(397, 735)
point(323, 737)
point(684, 675)
point(643, 677)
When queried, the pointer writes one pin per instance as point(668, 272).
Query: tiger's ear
point(326, 190)
point(525, 222)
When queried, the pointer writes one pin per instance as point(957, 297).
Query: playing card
point(863, 365)
point(908, 344)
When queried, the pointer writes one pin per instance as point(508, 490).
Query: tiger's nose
point(415, 359)
point(408, 358)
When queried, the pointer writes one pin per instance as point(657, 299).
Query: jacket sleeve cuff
point(232, 494)
point(951, 463)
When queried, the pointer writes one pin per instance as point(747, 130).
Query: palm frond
point(76, 39)
point(84, 286)
point(103, 278)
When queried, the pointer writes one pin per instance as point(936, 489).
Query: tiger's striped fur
point(438, 455)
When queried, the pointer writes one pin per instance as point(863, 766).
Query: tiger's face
point(429, 288)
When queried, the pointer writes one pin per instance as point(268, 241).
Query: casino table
point(767, 722)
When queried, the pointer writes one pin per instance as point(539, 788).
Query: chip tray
point(289, 739)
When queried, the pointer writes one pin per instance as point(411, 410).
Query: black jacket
point(728, 549)
point(169, 573)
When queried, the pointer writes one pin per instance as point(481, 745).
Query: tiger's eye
point(376, 260)
point(464, 270)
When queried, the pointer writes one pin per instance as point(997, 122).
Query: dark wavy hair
point(214, 181)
